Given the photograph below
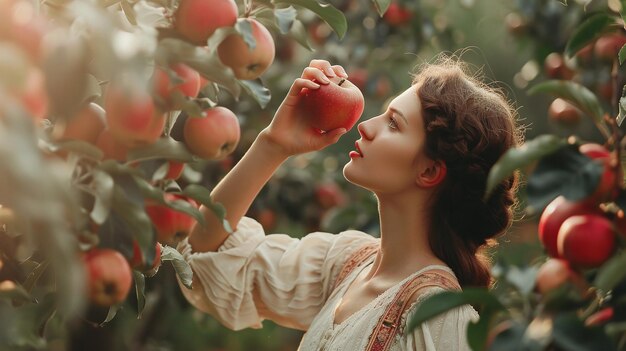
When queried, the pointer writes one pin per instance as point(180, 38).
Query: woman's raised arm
point(287, 135)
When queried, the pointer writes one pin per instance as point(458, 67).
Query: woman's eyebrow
point(394, 110)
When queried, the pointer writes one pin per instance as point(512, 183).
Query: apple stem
point(341, 81)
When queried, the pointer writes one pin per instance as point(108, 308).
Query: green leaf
point(477, 331)
point(17, 294)
point(102, 190)
point(611, 273)
point(442, 302)
point(298, 33)
point(140, 287)
point(34, 276)
point(335, 18)
point(588, 31)
point(381, 6)
point(285, 18)
point(622, 111)
point(571, 334)
point(565, 172)
point(203, 60)
point(516, 158)
point(127, 7)
point(203, 196)
point(522, 279)
point(578, 95)
point(163, 148)
point(257, 90)
point(82, 148)
point(111, 314)
point(622, 55)
point(182, 268)
point(135, 217)
point(622, 11)
point(244, 28)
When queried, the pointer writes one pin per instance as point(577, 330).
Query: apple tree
point(106, 107)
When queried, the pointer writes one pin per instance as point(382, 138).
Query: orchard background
point(100, 177)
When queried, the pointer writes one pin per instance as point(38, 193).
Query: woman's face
point(389, 154)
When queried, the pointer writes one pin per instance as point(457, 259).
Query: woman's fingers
point(301, 83)
point(314, 73)
point(323, 66)
point(340, 71)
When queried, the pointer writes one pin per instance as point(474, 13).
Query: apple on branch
point(197, 20)
point(338, 104)
point(248, 62)
point(109, 276)
point(213, 136)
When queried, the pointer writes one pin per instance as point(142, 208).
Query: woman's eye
point(392, 124)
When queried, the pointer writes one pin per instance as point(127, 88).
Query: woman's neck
point(404, 236)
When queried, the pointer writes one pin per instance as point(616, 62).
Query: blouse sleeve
point(447, 331)
point(254, 276)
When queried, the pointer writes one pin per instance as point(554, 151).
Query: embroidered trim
point(355, 260)
point(389, 323)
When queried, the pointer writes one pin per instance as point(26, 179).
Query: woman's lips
point(358, 152)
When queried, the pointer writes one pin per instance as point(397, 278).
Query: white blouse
point(254, 276)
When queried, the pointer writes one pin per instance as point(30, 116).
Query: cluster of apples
point(579, 235)
point(602, 52)
point(197, 20)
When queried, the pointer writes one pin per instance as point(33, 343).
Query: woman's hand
point(290, 133)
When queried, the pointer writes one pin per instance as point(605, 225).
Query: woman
point(426, 158)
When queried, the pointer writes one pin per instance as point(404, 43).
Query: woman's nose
point(363, 129)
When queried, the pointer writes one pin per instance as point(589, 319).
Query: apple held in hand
point(108, 276)
point(214, 136)
point(338, 104)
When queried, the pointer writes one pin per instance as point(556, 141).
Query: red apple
point(214, 136)
point(563, 112)
point(33, 95)
point(601, 317)
point(189, 85)
point(248, 62)
point(515, 24)
point(607, 189)
point(86, 125)
point(21, 24)
point(109, 276)
point(171, 225)
point(174, 170)
point(397, 15)
point(329, 195)
point(338, 104)
point(554, 273)
point(111, 148)
point(196, 20)
point(586, 241)
point(553, 217)
point(267, 218)
point(555, 67)
point(138, 262)
point(131, 115)
point(607, 47)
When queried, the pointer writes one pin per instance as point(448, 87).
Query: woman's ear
point(432, 175)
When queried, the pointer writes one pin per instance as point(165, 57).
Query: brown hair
point(468, 126)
